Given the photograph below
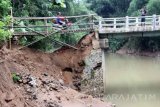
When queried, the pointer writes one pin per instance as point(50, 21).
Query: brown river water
point(132, 81)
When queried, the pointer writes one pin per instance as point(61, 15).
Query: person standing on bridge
point(143, 14)
point(60, 19)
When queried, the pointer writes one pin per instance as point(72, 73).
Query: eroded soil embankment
point(42, 78)
point(72, 62)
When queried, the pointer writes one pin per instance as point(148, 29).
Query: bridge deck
point(106, 26)
point(129, 25)
point(45, 26)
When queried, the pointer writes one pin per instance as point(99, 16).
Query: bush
point(4, 32)
point(16, 78)
point(153, 7)
point(144, 44)
point(4, 7)
point(116, 43)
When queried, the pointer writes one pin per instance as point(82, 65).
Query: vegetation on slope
point(4, 20)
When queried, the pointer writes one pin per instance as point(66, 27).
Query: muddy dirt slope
point(45, 79)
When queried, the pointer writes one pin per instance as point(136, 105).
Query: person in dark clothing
point(143, 14)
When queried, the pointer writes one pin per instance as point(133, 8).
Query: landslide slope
point(45, 77)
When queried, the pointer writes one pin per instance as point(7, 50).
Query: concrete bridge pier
point(104, 45)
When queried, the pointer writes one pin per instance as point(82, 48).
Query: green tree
point(109, 8)
point(103, 8)
point(120, 7)
point(31, 7)
point(153, 7)
point(45, 8)
point(4, 7)
point(135, 6)
point(4, 33)
point(5, 20)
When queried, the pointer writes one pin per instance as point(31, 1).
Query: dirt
point(46, 79)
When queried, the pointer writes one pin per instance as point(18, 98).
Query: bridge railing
point(129, 24)
point(31, 25)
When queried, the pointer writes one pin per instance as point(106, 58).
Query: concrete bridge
point(127, 27)
point(130, 26)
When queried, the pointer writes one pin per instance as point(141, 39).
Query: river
point(132, 81)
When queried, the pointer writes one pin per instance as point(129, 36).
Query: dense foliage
point(4, 7)
point(5, 20)
point(4, 33)
point(46, 8)
point(109, 8)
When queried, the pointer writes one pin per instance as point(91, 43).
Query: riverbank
point(139, 53)
point(92, 82)
point(31, 78)
point(41, 83)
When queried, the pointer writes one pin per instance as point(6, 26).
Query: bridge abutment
point(104, 45)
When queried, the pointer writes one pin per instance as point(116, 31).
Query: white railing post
point(114, 23)
point(100, 24)
point(46, 26)
point(12, 20)
point(158, 20)
point(137, 23)
point(154, 22)
point(127, 23)
point(12, 30)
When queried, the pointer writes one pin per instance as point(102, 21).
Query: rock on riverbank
point(92, 82)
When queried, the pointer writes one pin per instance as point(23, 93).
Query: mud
point(46, 79)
